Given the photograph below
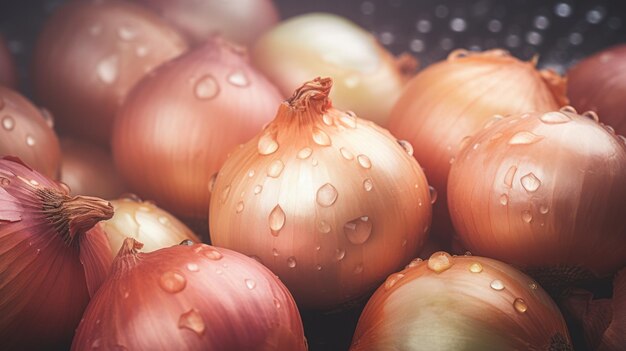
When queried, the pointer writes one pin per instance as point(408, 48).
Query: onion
point(8, 72)
point(178, 125)
point(549, 194)
point(97, 50)
point(144, 221)
point(190, 297)
point(454, 98)
point(329, 202)
point(598, 83)
point(368, 79)
point(460, 303)
point(50, 262)
point(26, 132)
point(89, 170)
point(241, 21)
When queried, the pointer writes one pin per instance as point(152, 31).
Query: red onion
point(8, 73)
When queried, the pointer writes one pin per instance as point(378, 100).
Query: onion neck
point(127, 256)
point(557, 85)
point(308, 103)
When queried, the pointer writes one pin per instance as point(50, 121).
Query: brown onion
point(367, 78)
point(26, 132)
point(454, 98)
point(89, 55)
point(190, 297)
point(178, 125)
point(598, 83)
point(88, 169)
point(50, 260)
point(8, 72)
point(460, 303)
point(548, 195)
point(329, 202)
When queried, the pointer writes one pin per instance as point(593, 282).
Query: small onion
point(89, 55)
point(329, 202)
point(8, 72)
point(460, 303)
point(549, 194)
point(598, 83)
point(88, 169)
point(144, 221)
point(367, 78)
point(241, 21)
point(455, 98)
point(50, 260)
point(178, 125)
point(190, 297)
point(26, 132)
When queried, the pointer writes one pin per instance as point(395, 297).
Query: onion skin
point(241, 21)
point(598, 83)
point(50, 258)
point(88, 169)
point(473, 303)
point(25, 133)
point(99, 50)
point(329, 202)
point(454, 98)
point(193, 298)
point(549, 194)
point(367, 78)
point(8, 72)
point(182, 122)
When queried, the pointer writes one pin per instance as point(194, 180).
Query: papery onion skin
point(25, 133)
point(88, 169)
point(460, 303)
point(329, 202)
point(367, 78)
point(455, 98)
point(598, 83)
point(178, 125)
point(97, 50)
point(145, 222)
point(193, 297)
point(241, 21)
point(8, 72)
point(50, 259)
point(549, 194)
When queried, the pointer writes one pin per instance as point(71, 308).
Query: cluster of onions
point(598, 83)
point(26, 132)
point(97, 50)
point(368, 79)
point(190, 297)
point(50, 260)
point(88, 169)
point(329, 202)
point(460, 303)
point(241, 21)
point(179, 124)
point(8, 75)
point(549, 194)
point(453, 99)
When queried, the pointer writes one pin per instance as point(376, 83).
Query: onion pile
point(329, 202)
point(460, 303)
point(549, 194)
point(51, 263)
point(26, 132)
point(8, 73)
point(367, 78)
point(97, 50)
point(190, 297)
point(179, 124)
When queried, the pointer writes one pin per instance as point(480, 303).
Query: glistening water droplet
point(348, 120)
point(504, 199)
point(364, 161)
point(30, 141)
point(358, 269)
point(392, 280)
point(305, 153)
point(340, 254)
point(212, 180)
point(192, 267)
point(225, 194)
point(212, 254)
point(206, 87)
point(257, 189)
point(320, 137)
point(556, 117)
point(107, 69)
point(345, 153)
point(530, 182)
point(543, 209)
point(497, 285)
point(250, 284)
point(238, 78)
point(326, 195)
point(524, 138)
point(509, 176)
point(368, 185)
point(408, 148)
point(275, 168)
point(433, 194)
point(267, 144)
point(172, 282)
point(240, 207)
point(291, 262)
point(323, 227)
point(126, 33)
point(277, 220)
point(476, 267)
point(358, 230)
point(8, 123)
point(527, 216)
point(440, 262)
point(193, 321)
point(520, 305)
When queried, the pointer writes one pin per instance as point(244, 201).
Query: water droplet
point(225, 193)
point(414, 263)
point(305, 153)
point(30, 141)
point(323, 227)
point(497, 285)
point(524, 138)
point(275, 168)
point(275, 252)
point(4, 182)
point(240, 207)
point(206, 87)
point(172, 282)
point(392, 280)
point(408, 148)
point(192, 267)
point(276, 303)
point(314, 162)
point(433, 194)
point(326, 195)
point(364, 161)
point(358, 230)
point(212, 254)
point(504, 199)
point(328, 120)
point(8, 123)
point(440, 262)
point(107, 69)
point(126, 294)
point(126, 33)
point(186, 242)
point(346, 154)
point(404, 242)
point(212, 180)
point(527, 216)
point(267, 144)
point(556, 117)
point(543, 209)
point(257, 189)
point(368, 185)
point(348, 120)
point(340, 254)
point(509, 176)
point(520, 305)
point(358, 269)
point(250, 284)
point(530, 182)
point(320, 137)
point(592, 115)
point(277, 220)
point(496, 136)
point(533, 286)
point(47, 117)
point(318, 267)
point(291, 262)
point(492, 121)
point(238, 78)
point(476, 267)
point(475, 146)
point(141, 51)
point(193, 321)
